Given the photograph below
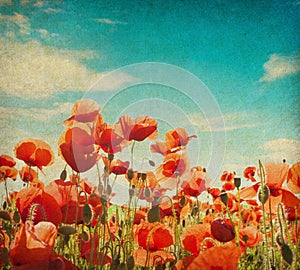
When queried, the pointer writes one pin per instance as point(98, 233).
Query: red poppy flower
point(77, 148)
point(137, 129)
point(6, 160)
point(174, 165)
point(145, 258)
point(184, 263)
point(192, 237)
point(8, 172)
point(175, 140)
point(223, 257)
point(249, 173)
point(66, 196)
point(33, 243)
point(214, 192)
point(34, 153)
point(139, 216)
point(28, 197)
point(293, 178)
point(84, 110)
point(153, 236)
point(197, 184)
point(89, 251)
point(227, 176)
point(222, 230)
point(28, 174)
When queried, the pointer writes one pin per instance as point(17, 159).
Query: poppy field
point(248, 221)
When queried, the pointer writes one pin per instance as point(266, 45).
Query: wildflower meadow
point(174, 218)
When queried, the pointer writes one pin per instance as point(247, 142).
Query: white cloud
point(108, 21)
point(34, 71)
point(280, 66)
point(280, 149)
point(18, 19)
point(53, 10)
point(5, 2)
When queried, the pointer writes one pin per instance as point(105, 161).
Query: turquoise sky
point(246, 53)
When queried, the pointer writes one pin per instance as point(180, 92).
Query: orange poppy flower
point(250, 237)
point(8, 172)
point(249, 173)
point(227, 176)
point(137, 129)
point(153, 236)
point(174, 165)
point(34, 152)
point(175, 140)
point(276, 173)
point(192, 237)
point(33, 243)
point(228, 186)
point(28, 197)
point(293, 178)
point(197, 183)
point(28, 174)
point(152, 258)
point(84, 110)
point(6, 160)
point(77, 148)
point(223, 257)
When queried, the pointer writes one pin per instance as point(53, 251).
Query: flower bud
point(5, 215)
point(67, 230)
point(224, 197)
point(287, 253)
point(130, 173)
point(87, 213)
point(153, 214)
point(63, 175)
point(263, 194)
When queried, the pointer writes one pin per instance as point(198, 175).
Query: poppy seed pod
point(222, 230)
point(263, 194)
point(153, 214)
point(130, 173)
point(237, 182)
point(67, 230)
point(87, 213)
point(224, 197)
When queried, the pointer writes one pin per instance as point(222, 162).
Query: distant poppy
point(29, 197)
point(192, 237)
point(223, 257)
point(174, 165)
point(153, 236)
point(292, 212)
point(34, 152)
point(175, 140)
point(249, 173)
point(84, 110)
point(151, 258)
point(197, 183)
point(138, 129)
point(77, 148)
point(28, 174)
point(293, 178)
point(214, 192)
point(250, 237)
point(116, 166)
point(222, 230)
point(6, 160)
point(139, 216)
point(33, 243)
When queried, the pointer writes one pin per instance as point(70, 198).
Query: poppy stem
point(131, 153)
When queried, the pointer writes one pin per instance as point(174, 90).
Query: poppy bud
point(103, 219)
point(16, 217)
point(147, 192)
point(263, 194)
point(130, 263)
point(130, 173)
point(108, 189)
point(144, 176)
point(222, 230)
point(237, 182)
point(85, 236)
point(67, 230)
point(63, 175)
point(87, 213)
point(224, 197)
point(4, 205)
point(110, 157)
point(287, 253)
point(153, 214)
point(152, 163)
point(131, 192)
point(182, 201)
point(120, 233)
point(5, 215)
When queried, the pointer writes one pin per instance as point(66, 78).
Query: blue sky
point(246, 53)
